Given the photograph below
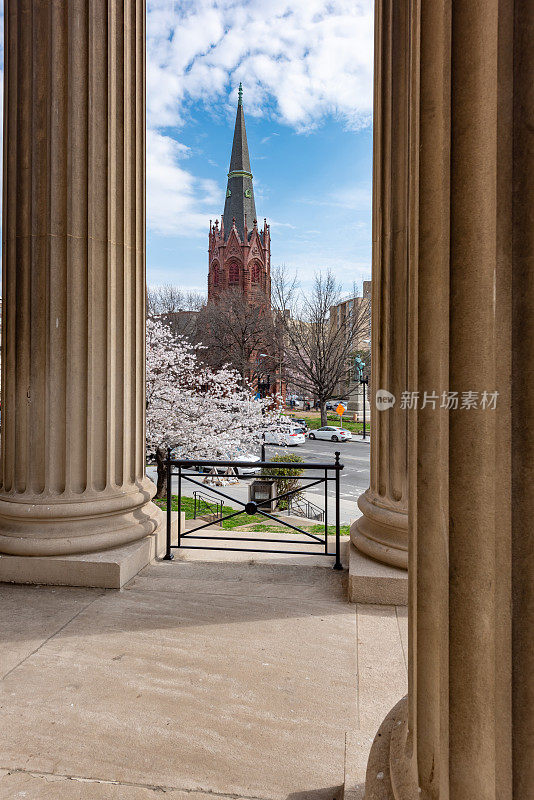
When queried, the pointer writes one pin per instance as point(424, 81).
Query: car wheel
point(311, 436)
point(335, 438)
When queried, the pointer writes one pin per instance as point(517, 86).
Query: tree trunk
point(161, 461)
point(322, 406)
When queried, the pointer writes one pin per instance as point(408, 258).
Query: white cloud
point(274, 224)
point(268, 138)
point(299, 60)
point(177, 202)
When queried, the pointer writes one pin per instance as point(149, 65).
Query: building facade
point(355, 312)
point(239, 252)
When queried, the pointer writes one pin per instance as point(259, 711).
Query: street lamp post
point(364, 381)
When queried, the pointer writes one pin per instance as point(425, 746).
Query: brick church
point(239, 252)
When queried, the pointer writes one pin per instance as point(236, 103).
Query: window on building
point(233, 274)
point(256, 273)
point(216, 276)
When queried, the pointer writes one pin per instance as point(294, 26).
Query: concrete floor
point(199, 680)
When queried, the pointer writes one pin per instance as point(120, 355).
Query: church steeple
point(239, 253)
point(240, 192)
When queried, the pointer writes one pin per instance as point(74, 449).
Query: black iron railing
point(300, 507)
point(203, 505)
point(315, 474)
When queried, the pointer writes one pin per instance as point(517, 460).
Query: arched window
point(256, 273)
point(216, 275)
point(233, 274)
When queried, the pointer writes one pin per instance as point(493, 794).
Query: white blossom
point(199, 412)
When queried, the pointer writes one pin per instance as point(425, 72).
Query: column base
point(56, 526)
point(381, 533)
point(372, 582)
point(106, 569)
point(357, 744)
point(389, 773)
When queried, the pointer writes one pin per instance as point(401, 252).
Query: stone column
point(73, 456)
point(467, 728)
point(382, 531)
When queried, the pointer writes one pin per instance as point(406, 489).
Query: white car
point(284, 438)
point(244, 471)
point(331, 433)
point(241, 472)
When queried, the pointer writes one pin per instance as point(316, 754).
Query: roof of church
point(240, 192)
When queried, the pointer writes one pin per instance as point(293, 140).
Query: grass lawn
point(256, 520)
point(188, 505)
point(314, 421)
point(343, 529)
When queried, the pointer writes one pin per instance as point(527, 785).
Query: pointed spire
point(240, 192)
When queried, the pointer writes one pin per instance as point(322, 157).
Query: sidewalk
point(199, 680)
point(348, 509)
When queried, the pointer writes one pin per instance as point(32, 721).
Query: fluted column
point(382, 531)
point(73, 456)
point(466, 729)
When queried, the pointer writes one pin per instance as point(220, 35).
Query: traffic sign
point(340, 410)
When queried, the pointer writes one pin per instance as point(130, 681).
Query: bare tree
point(319, 345)
point(238, 333)
point(176, 307)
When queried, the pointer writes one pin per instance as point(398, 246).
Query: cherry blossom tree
point(197, 411)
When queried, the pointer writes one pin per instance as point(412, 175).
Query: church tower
point(239, 253)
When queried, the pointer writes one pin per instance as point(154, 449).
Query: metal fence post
point(179, 542)
point(326, 512)
point(168, 554)
point(338, 564)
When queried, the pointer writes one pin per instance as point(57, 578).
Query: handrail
point(208, 501)
point(316, 512)
point(190, 462)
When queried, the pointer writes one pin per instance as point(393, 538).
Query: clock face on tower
point(248, 193)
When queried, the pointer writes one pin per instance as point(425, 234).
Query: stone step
point(373, 582)
point(309, 554)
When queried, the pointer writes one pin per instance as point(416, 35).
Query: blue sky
point(306, 68)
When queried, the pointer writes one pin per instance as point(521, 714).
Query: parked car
point(298, 422)
point(288, 438)
point(244, 472)
point(331, 405)
point(241, 472)
point(331, 433)
point(299, 425)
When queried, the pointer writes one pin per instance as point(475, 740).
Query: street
point(354, 457)
point(354, 477)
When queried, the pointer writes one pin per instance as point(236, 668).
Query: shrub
point(286, 479)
